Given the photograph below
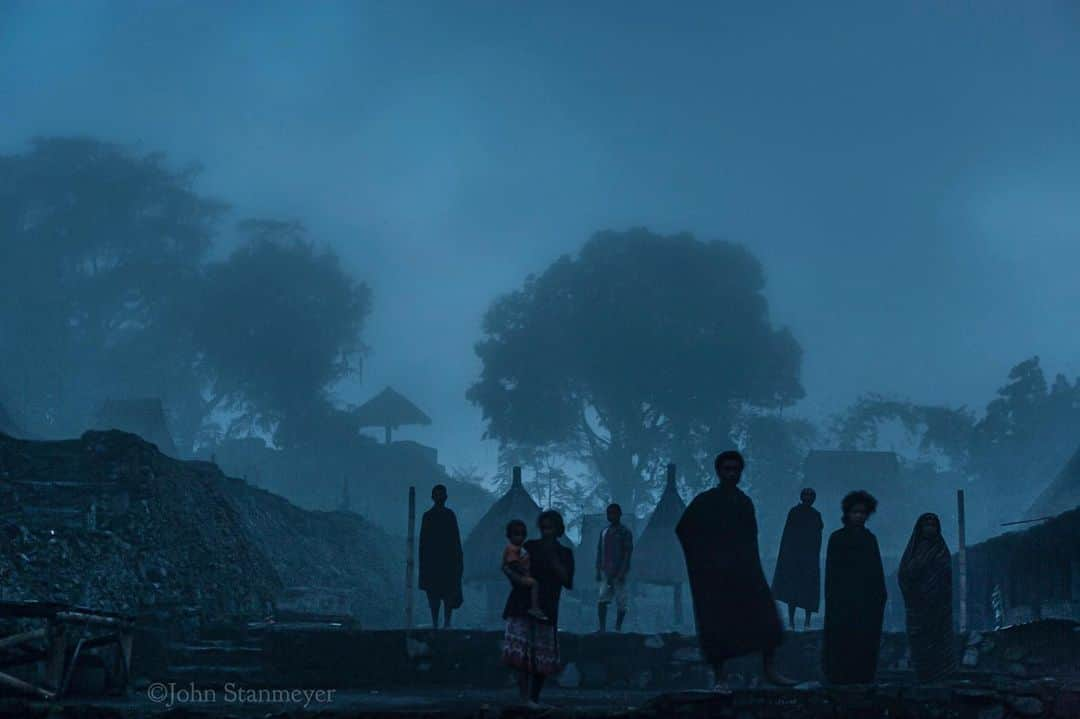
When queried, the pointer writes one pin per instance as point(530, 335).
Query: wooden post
point(410, 552)
point(961, 560)
point(516, 476)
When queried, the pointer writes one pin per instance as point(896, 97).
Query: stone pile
point(108, 521)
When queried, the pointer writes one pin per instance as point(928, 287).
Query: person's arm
point(421, 554)
point(563, 574)
point(628, 551)
point(512, 574)
point(600, 556)
point(459, 553)
point(879, 572)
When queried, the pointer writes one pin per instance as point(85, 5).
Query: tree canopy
point(641, 347)
point(1021, 441)
point(109, 293)
point(278, 323)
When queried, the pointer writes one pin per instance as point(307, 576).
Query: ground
point(987, 697)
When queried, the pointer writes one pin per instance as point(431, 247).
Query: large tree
point(1021, 441)
point(100, 249)
point(640, 349)
point(279, 322)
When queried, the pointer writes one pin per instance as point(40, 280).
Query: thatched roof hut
point(658, 557)
point(144, 417)
point(484, 545)
point(390, 409)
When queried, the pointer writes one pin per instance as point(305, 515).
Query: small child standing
point(516, 559)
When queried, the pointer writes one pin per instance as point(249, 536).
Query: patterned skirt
point(530, 646)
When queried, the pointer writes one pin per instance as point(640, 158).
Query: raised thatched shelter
point(144, 417)
point(658, 558)
point(390, 409)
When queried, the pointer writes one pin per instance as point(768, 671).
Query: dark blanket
point(441, 558)
point(797, 580)
point(541, 555)
point(854, 606)
point(926, 582)
point(733, 606)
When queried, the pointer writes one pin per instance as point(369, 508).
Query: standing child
point(516, 559)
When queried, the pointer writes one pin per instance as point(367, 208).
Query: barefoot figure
point(441, 559)
point(531, 646)
point(733, 606)
point(926, 582)
point(797, 580)
point(613, 553)
point(854, 596)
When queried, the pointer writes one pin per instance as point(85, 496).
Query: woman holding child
point(531, 645)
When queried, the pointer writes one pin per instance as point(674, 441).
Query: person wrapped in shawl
point(926, 582)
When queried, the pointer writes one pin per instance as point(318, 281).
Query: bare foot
point(777, 679)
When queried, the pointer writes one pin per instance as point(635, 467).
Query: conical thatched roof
point(657, 555)
point(1063, 493)
point(484, 545)
point(389, 408)
point(144, 417)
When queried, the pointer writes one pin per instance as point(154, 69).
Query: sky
point(907, 172)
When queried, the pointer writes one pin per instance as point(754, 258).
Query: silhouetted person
point(733, 607)
point(441, 559)
point(531, 646)
point(613, 552)
point(926, 582)
point(797, 580)
point(854, 596)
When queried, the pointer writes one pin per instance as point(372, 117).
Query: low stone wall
point(472, 659)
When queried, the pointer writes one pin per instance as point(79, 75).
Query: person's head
point(729, 466)
point(929, 526)
point(614, 513)
point(857, 507)
point(807, 496)
point(516, 531)
point(551, 524)
point(438, 494)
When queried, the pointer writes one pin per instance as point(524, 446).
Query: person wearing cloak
point(926, 582)
point(854, 596)
point(441, 559)
point(733, 606)
point(797, 580)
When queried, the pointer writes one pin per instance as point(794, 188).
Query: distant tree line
point(111, 287)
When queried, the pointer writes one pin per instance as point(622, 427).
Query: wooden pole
point(961, 560)
point(410, 551)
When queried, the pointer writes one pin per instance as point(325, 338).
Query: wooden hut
point(144, 417)
point(658, 558)
point(390, 410)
